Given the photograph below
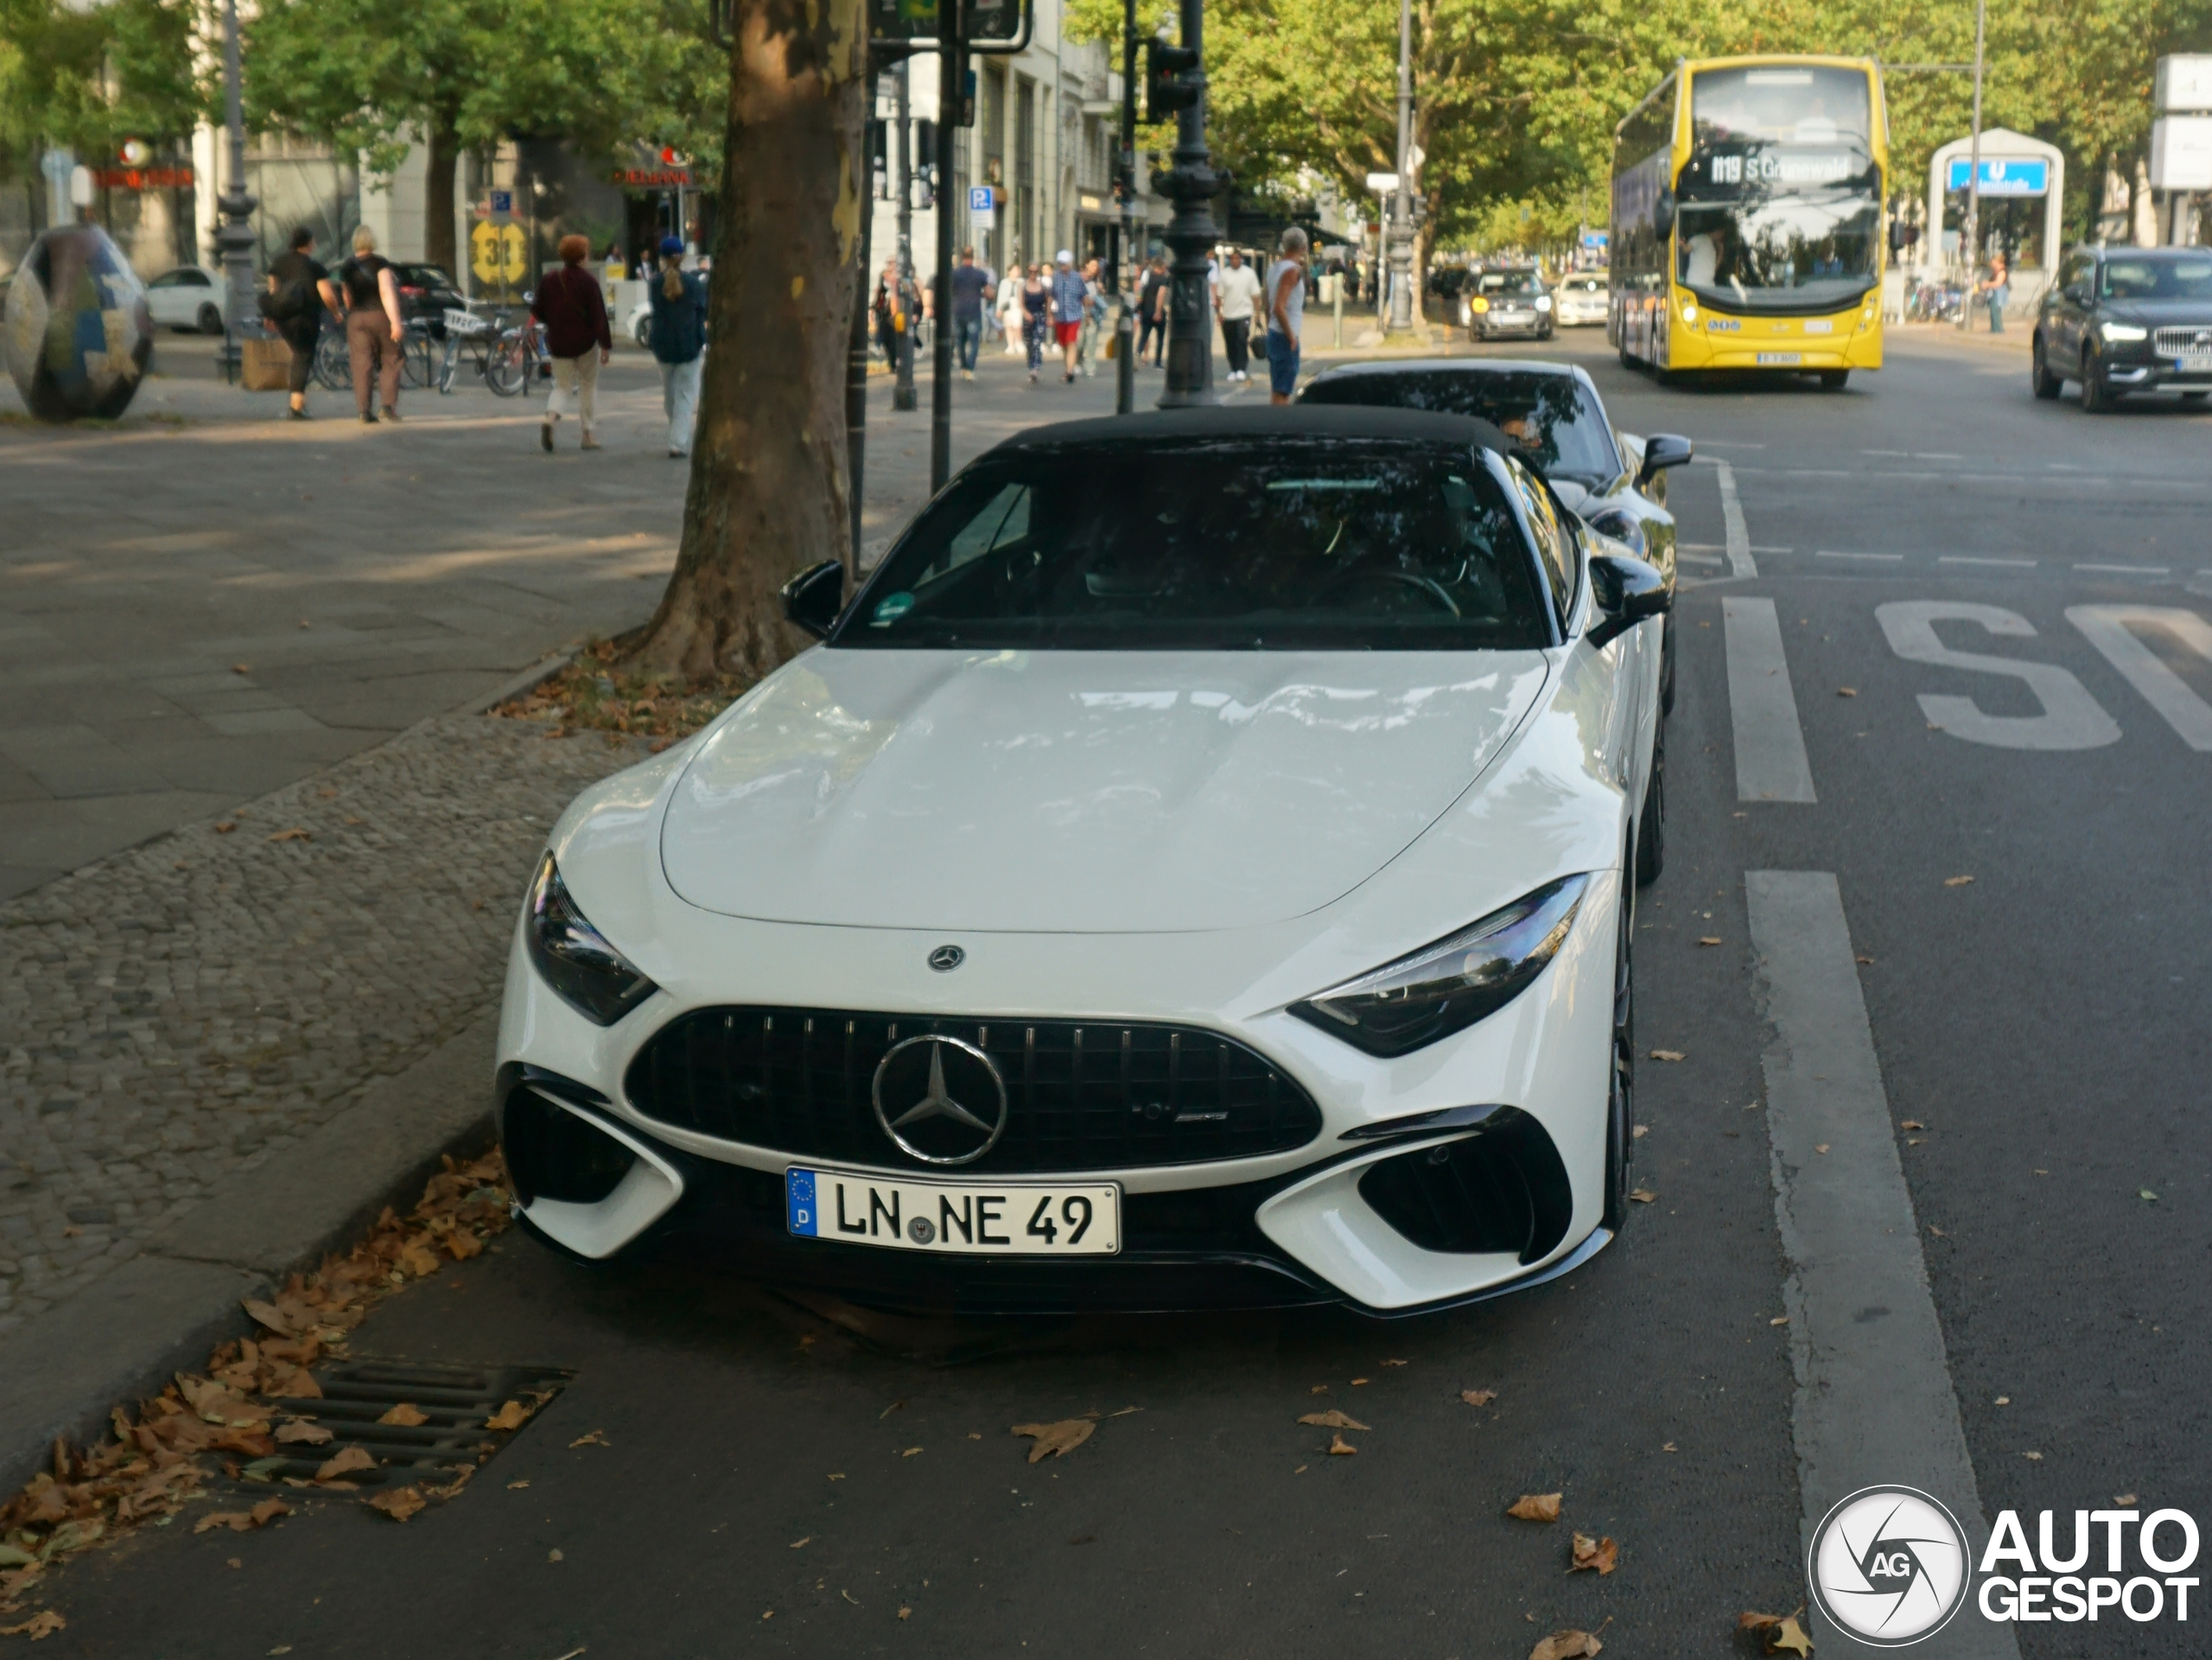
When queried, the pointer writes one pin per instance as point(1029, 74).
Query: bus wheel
point(1832, 380)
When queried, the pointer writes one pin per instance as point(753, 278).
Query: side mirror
point(1661, 451)
point(1626, 592)
point(814, 597)
point(1663, 213)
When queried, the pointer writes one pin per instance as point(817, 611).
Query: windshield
point(1510, 282)
point(1585, 285)
point(1233, 544)
point(1553, 417)
point(2148, 276)
point(1779, 204)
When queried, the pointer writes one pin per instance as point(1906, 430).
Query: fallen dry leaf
point(597, 1438)
point(1779, 1319)
point(1340, 1448)
point(225, 828)
point(44, 1622)
point(1058, 1440)
point(1395, 1363)
point(1567, 1645)
point(1641, 1195)
point(2033, 1456)
point(1639, 1132)
point(1820, 1147)
point(294, 834)
point(399, 1503)
point(799, 1544)
point(1847, 691)
point(1332, 1418)
point(1535, 1507)
point(915, 1452)
point(2125, 1500)
point(353, 1459)
point(510, 1416)
point(906, 1613)
point(244, 1521)
point(267, 1315)
point(1956, 881)
point(1667, 1055)
point(416, 1260)
point(1708, 939)
point(1600, 1553)
point(1356, 1382)
point(304, 1433)
point(406, 1416)
point(1790, 1637)
point(1912, 1123)
point(1478, 1397)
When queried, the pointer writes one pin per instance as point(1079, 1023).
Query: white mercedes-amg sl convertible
point(1196, 869)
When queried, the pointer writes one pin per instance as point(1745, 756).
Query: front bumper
point(1343, 1217)
point(1491, 325)
point(2142, 370)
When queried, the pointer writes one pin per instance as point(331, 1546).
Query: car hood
point(1079, 791)
point(2160, 314)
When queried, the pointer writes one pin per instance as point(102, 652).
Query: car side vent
point(1503, 1189)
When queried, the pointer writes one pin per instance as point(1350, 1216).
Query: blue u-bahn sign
point(2010, 177)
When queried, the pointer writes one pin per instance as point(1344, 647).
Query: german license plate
point(966, 1218)
point(2195, 363)
point(1781, 359)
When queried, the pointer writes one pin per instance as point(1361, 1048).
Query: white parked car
point(191, 297)
point(1197, 866)
point(1581, 298)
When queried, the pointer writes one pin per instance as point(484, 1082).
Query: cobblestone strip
point(178, 1010)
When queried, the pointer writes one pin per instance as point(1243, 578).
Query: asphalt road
point(778, 1481)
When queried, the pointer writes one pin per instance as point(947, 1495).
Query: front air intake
point(1501, 1189)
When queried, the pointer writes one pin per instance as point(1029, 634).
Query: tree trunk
point(769, 486)
point(441, 155)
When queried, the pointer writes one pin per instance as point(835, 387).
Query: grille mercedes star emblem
point(949, 1105)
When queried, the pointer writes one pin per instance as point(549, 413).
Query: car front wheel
point(2096, 396)
point(210, 319)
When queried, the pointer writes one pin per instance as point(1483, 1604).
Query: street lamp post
point(902, 389)
point(1190, 185)
point(234, 237)
point(1972, 240)
point(1128, 259)
point(1401, 202)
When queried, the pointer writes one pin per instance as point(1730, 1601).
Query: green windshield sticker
point(891, 608)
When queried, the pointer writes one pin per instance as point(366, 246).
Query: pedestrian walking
point(1152, 311)
point(971, 292)
point(1009, 313)
point(569, 307)
point(373, 326)
point(1240, 293)
point(1286, 301)
point(1070, 299)
point(1094, 319)
point(299, 292)
point(1036, 318)
point(679, 302)
point(1997, 291)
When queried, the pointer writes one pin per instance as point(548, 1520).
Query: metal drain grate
point(455, 1402)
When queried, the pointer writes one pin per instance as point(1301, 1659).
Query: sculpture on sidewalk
point(79, 336)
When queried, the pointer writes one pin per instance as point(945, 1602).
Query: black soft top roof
point(1165, 429)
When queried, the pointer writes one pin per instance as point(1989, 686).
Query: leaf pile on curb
point(151, 1467)
point(591, 695)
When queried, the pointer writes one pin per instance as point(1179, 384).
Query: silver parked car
point(191, 297)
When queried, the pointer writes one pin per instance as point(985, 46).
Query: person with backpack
point(374, 328)
point(679, 301)
point(300, 291)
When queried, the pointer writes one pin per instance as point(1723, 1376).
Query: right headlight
point(586, 972)
point(1447, 987)
point(2123, 331)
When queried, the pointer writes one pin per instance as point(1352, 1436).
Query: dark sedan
point(2127, 320)
point(1615, 482)
point(426, 293)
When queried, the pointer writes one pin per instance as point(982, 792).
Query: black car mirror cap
point(1662, 450)
point(1624, 592)
point(814, 597)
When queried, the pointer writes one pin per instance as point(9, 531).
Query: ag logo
point(1889, 1566)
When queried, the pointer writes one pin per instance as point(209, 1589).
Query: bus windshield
point(1779, 206)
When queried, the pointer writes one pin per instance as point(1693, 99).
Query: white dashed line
point(1770, 764)
point(1740, 563)
point(1875, 1403)
point(1977, 559)
point(2126, 570)
point(1885, 558)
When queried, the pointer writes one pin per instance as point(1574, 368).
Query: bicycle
point(519, 361)
point(334, 359)
point(508, 356)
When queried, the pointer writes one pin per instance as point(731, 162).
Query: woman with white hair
point(374, 327)
point(1285, 295)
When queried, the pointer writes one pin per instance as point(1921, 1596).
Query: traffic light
point(1173, 78)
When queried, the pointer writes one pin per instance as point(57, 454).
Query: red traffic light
point(1173, 78)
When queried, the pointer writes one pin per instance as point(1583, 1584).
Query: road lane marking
point(1885, 558)
point(2071, 718)
point(1740, 563)
point(1936, 455)
point(1874, 1403)
point(1770, 764)
point(2126, 570)
point(1977, 559)
point(2106, 627)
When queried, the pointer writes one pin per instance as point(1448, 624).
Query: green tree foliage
point(89, 78)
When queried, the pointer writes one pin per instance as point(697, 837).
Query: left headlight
point(2112, 331)
point(586, 972)
point(1543, 302)
point(1448, 986)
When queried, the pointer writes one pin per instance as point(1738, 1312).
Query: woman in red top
point(570, 308)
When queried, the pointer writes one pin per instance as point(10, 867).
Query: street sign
point(484, 251)
point(514, 254)
point(2181, 152)
point(502, 206)
point(981, 208)
point(2004, 177)
point(1382, 184)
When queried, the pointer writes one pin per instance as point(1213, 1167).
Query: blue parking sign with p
point(980, 203)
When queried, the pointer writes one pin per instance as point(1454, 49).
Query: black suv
point(426, 292)
point(2127, 320)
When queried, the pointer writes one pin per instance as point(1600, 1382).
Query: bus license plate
point(1781, 359)
point(978, 1219)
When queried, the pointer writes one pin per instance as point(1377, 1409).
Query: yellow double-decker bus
point(1747, 217)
